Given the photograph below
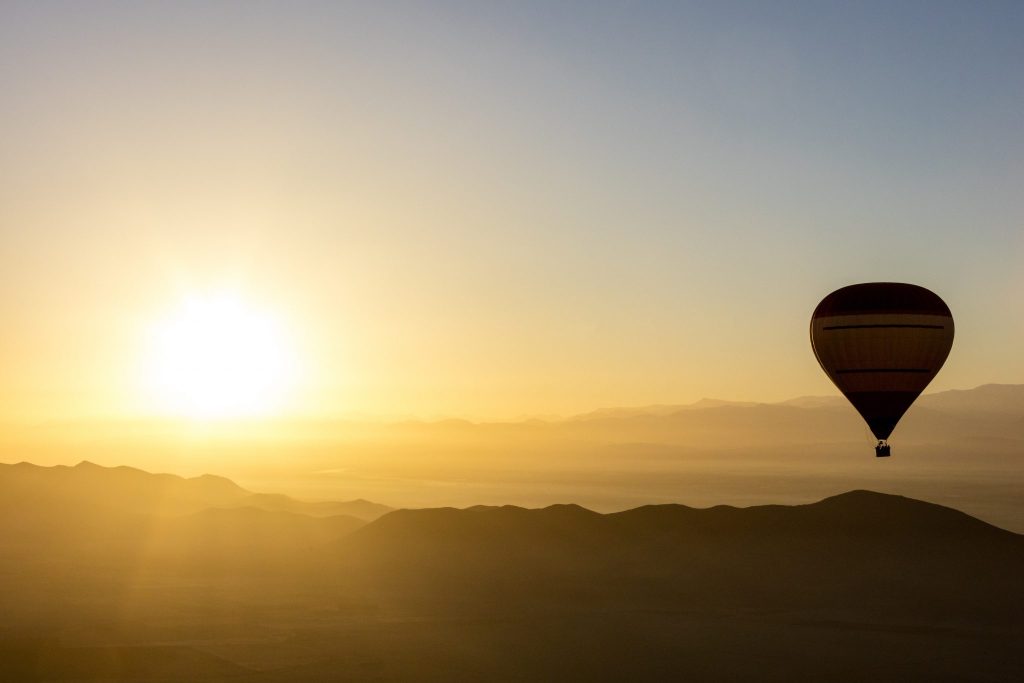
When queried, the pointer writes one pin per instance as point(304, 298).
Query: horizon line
point(360, 417)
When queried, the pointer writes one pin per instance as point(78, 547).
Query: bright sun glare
point(217, 357)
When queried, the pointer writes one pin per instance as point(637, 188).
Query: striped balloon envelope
point(881, 343)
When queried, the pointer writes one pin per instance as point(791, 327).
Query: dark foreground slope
point(859, 552)
point(861, 586)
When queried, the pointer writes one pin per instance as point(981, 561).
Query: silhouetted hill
point(132, 490)
point(860, 550)
point(362, 509)
point(121, 520)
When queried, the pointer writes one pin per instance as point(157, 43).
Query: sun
point(218, 357)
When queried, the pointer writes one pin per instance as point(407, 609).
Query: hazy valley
point(960, 448)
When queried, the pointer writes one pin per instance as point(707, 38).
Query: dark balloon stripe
point(868, 327)
point(894, 310)
point(881, 298)
point(852, 371)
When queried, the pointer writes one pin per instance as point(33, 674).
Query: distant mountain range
point(987, 422)
point(999, 399)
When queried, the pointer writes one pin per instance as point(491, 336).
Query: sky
point(495, 210)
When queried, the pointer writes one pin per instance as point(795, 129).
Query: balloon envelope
point(881, 343)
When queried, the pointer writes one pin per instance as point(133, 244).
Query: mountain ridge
point(853, 551)
point(136, 490)
point(992, 397)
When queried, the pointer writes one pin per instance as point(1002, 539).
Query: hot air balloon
point(881, 343)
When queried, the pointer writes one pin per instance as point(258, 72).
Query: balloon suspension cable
point(882, 449)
